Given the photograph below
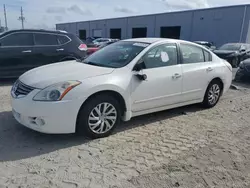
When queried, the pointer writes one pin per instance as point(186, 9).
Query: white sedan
point(123, 80)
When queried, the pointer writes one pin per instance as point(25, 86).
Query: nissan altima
point(123, 80)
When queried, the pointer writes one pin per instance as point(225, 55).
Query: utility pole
point(5, 18)
point(22, 18)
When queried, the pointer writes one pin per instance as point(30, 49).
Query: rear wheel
point(99, 116)
point(213, 94)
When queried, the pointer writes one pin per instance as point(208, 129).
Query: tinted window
point(207, 56)
point(116, 55)
point(191, 54)
point(63, 39)
point(161, 56)
point(17, 39)
point(45, 39)
point(230, 47)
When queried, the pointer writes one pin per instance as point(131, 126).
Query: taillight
point(83, 47)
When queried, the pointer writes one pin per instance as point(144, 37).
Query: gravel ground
point(187, 147)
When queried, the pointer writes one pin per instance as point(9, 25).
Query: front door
point(164, 79)
point(16, 54)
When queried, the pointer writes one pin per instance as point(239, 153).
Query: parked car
point(89, 41)
point(22, 50)
point(243, 72)
point(100, 41)
point(91, 50)
point(123, 80)
point(234, 53)
point(208, 45)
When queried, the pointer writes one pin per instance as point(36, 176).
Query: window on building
point(139, 32)
point(82, 34)
point(173, 32)
point(116, 33)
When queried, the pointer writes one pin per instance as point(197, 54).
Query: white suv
point(123, 80)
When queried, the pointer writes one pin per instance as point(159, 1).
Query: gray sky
point(46, 13)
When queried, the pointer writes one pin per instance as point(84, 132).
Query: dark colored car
point(234, 53)
point(22, 50)
point(208, 45)
point(243, 72)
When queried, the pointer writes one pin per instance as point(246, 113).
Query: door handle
point(176, 75)
point(26, 51)
point(209, 69)
point(61, 49)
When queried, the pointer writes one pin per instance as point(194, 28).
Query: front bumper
point(46, 117)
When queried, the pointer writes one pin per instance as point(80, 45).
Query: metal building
point(219, 25)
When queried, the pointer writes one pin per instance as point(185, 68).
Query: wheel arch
point(219, 80)
point(117, 95)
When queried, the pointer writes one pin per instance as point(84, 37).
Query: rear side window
point(191, 54)
point(17, 39)
point(45, 39)
point(63, 39)
point(207, 56)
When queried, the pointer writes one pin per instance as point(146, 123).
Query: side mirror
point(141, 76)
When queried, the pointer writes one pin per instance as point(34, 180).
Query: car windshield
point(116, 55)
point(230, 47)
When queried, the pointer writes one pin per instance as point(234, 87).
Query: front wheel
point(99, 116)
point(213, 94)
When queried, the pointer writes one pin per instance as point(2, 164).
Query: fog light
point(40, 121)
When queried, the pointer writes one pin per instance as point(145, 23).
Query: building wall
point(218, 25)
point(183, 19)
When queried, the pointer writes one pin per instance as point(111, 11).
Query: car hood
point(44, 76)
point(224, 51)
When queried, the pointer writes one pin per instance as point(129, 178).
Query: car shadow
point(18, 142)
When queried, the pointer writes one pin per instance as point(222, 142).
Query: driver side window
point(161, 56)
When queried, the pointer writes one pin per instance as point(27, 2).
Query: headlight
point(55, 92)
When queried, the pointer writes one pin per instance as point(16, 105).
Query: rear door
point(198, 70)
point(47, 49)
point(16, 54)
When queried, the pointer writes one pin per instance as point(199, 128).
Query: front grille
point(20, 88)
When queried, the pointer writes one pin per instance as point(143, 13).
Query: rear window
point(45, 39)
point(63, 39)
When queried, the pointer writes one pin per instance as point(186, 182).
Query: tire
point(90, 120)
point(213, 94)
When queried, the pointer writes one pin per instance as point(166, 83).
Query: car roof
point(149, 40)
point(36, 30)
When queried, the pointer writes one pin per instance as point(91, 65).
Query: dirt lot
point(187, 147)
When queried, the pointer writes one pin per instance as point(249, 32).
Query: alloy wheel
point(214, 94)
point(102, 118)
